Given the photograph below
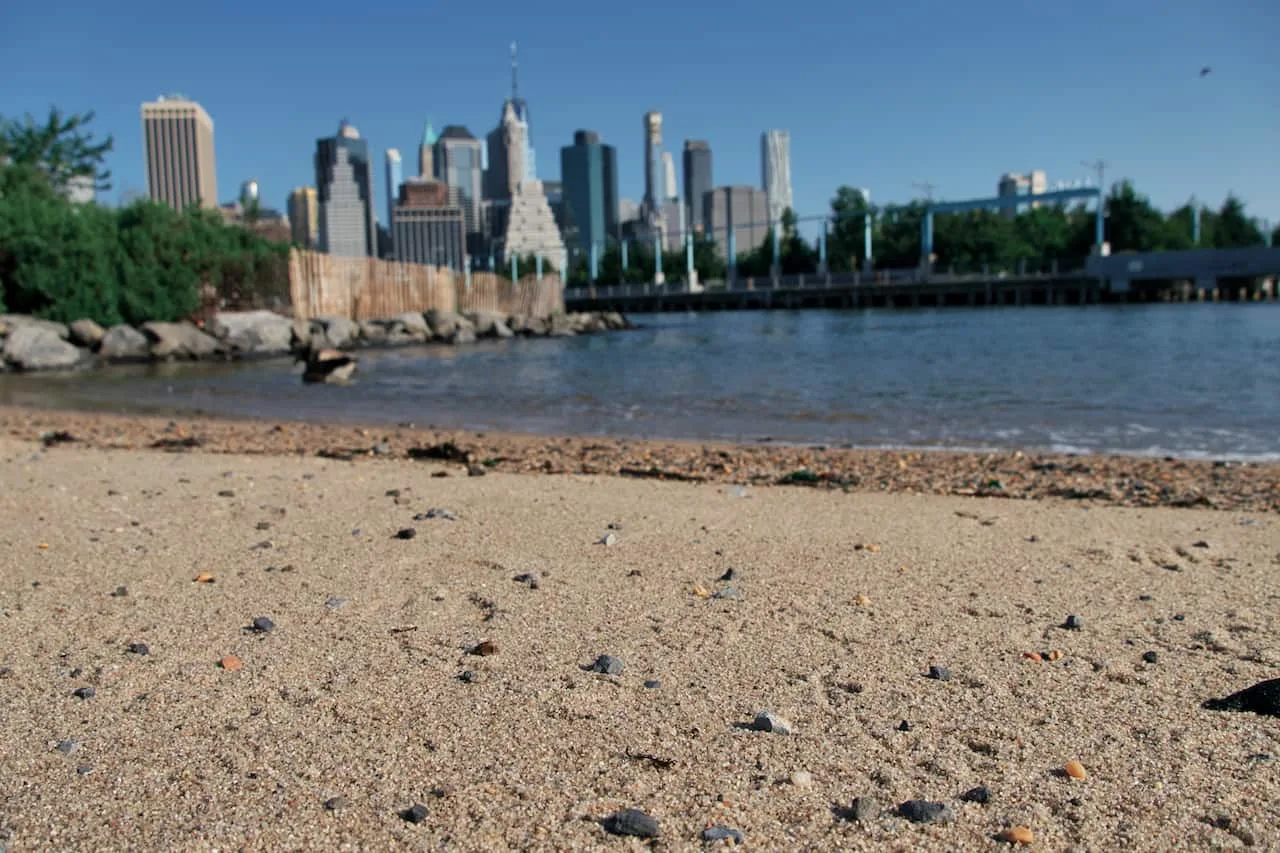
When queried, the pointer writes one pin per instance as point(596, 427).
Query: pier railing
point(370, 289)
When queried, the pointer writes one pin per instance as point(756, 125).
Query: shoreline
point(1134, 481)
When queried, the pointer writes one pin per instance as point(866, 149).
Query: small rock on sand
point(138, 649)
point(980, 795)
point(861, 810)
point(607, 665)
point(722, 833)
point(939, 673)
point(67, 747)
point(608, 540)
point(406, 533)
point(767, 721)
point(926, 811)
point(631, 822)
point(1073, 623)
point(335, 803)
point(416, 813)
point(262, 625)
point(84, 693)
point(1262, 698)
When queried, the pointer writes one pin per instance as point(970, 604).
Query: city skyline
point(1139, 104)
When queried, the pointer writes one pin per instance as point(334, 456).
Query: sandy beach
point(367, 696)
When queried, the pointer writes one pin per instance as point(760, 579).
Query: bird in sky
point(1204, 72)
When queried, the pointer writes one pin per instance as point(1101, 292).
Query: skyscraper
point(507, 153)
point(344, 188)
point(304, 217)
point(669, 188)
point(460, 164)
point(589, 173)
point(697, 180)
point(181, 170)
point(775, 166)
point(652, 152)
point(426, 152)
point(742, 211)
point(395, 177)
point(427, 227)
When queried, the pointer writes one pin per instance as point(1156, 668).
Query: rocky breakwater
point(32, 344)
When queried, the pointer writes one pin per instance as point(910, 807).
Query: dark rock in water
point(722, 833)
point(631, 822)
point(925, 811)
point(980, 795)
point(1262, 698)
point(416, 813)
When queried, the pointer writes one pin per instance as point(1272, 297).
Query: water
point(1186, 380)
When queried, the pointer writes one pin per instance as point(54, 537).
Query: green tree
point(61, 147)
point(1133, 224)
point(845, 232)
point(1233, 228)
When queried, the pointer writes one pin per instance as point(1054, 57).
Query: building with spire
point(426, 152)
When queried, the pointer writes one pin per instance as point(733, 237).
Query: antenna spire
point(515, 65)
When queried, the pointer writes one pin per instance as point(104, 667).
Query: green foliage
point(63, 261)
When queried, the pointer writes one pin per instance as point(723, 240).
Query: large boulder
point(86, 333)
point(613, 320)
point(180, 340)
point(254, 331)
point(373, 331)
point(124, 343)
point(10, 322)
point(463, 335)
point(34, 347)
point(340, 332)
point(562, 326)
point(517, 323)
point(489, 324)
point(537, 327)
point(445, 324)
point(410, 324)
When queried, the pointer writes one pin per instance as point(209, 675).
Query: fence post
point(538, 266)
point(515, 268)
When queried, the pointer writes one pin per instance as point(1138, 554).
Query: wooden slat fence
point(372, 289)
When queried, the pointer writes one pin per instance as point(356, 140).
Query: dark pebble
point(980, 795)
point(416, 813)
point(1073, 623)
point(730, 575)
point(469, 676)
point(722, 833)
point(729, 593)
point(68, 746)
point(406, 533)
point(84, 693)
point(652, 684)
point(138, 649)
point(862, 810)
point(1146, 598)
point(392, 493)
point(484, 648)
point(335, 803)
point(226, 493)
point(631, 822)
point(121, 592)
point(607, 665)
point(939, 673)
point(529, 579)
point(1262, 698)
point(1150, 657)
point(264, 525)
point(1200, 544)
point(84, 769)
point(436, 512)
point(1178, 617)
point(263, 625)
point(904, 726)
point(925, 811)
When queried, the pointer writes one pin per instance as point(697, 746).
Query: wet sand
point(846, 600)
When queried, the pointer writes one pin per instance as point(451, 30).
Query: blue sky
point(878, 95)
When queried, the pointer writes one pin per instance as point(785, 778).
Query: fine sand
point(363, 701)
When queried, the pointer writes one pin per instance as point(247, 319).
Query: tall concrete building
point(652, 160)
point(427, 226)
point(304, 217)
point(775, 167)
point(395, 177)
point(181, 170)
point(670, 190)
point(344, 188)
point(741, 211)
point(459, 162)
point(697, 180)
point(589, 174)
point(506, 153)
point(1017, 184)
point(531, 226)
